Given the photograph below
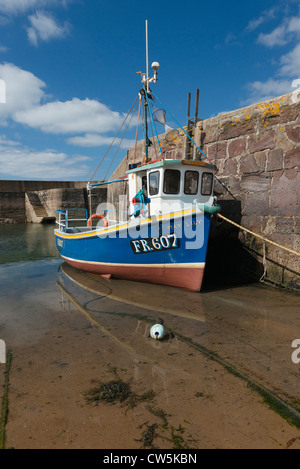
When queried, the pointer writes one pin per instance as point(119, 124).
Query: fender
point(209, 209)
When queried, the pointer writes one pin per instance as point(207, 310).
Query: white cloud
point(43, 27)
point(67, 117)
point(265, 16)
point(24, 95)
point(278, 37)
point(294, 25)
point(15, 6)
point(287, 32)
point(264, 90)
point(24, 163)
point(23, 90)
point(21, 6)
point(290, 63)
point(96, 140)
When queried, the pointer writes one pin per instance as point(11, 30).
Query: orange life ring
point(97, 215)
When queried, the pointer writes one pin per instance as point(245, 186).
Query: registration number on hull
point(158, 243)
point(60, 243)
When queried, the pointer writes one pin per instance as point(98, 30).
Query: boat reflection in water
point(121, 308)
point(156, 298)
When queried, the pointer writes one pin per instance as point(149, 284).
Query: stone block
point(227, 186)
point(216, 151)
point(297, 225)
point(285, 194)
point(253, 223)
point(236, 147)
point(292, 159)
point(257, 203)
point(275, 160)
point(220, 186)
point(248, 164)
point(233, 129)
point(260, 158)
point(269, 225)
point(284, 224)
point(12, 207)
point(230, 167)
point(293, 133)
point(210, 135)
point(234, 184)
point(289, 113)
point(263, 141)
point(255, 183)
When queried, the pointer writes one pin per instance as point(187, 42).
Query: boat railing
point(116, 216)
point(66, 220)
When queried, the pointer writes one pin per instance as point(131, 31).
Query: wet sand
point(80, 335)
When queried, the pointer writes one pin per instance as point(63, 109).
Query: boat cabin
point(169, 185)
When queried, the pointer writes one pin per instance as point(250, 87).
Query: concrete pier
point(37, 201)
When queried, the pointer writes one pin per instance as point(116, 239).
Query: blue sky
point(70, 66)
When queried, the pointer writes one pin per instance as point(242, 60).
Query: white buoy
point(157, 331)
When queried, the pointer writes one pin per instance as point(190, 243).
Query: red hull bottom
point(189, 278)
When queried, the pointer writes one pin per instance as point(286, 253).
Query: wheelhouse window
point(207, 183)
point(154, 183)
point(191, 180)
point(171, 181)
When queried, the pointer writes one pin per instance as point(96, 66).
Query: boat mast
point(146, 90)
point(147, 57)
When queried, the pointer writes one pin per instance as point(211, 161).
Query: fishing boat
point(163, 235)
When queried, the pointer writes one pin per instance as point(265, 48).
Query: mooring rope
point(259, 236)
point(262, 278)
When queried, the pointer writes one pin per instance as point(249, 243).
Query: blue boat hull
point(163, 250)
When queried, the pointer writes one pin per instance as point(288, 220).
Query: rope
point(180, 126)
point(259, 236)
point(121, 140)
point(225, 187)
point(151, 115)
point(262, 278)
point(155, 143)
point(113, 140)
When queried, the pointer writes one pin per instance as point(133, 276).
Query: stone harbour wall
point(12, 207)
point(52, 195)
point(72, 198)
point(257, 153)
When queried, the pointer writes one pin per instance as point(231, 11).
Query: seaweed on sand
point(148, 436)
point(116, 391)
